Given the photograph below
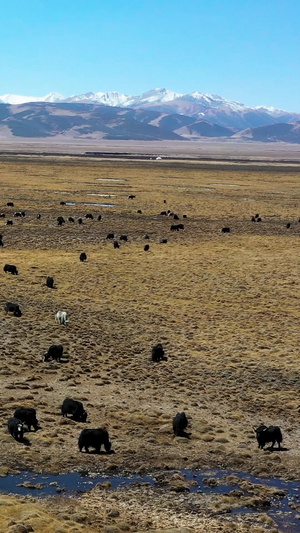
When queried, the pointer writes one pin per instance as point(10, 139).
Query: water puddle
point(102, 195)
point(93, 204)
point(206, 482)
point(44, 485)
point(279, 509)
point(101, 205)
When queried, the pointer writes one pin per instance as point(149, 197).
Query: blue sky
point(245, 50)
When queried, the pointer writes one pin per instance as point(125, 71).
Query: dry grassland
point(131, 510)
point(225, 307)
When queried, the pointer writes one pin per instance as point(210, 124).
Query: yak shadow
point(281, 449)
point(101, 452)
point(62, 361)
point(25, 441)
point(183, 434)
point(32, 431)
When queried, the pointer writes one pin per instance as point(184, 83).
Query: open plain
point(224, 306)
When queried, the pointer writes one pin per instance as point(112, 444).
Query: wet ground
point(239, 494)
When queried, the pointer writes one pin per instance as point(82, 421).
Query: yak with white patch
point(28, 416)
point(15, 428)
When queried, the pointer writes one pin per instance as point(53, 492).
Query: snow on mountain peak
point(15, 99)
point(194, 103)
point(111, 98)
point(154, 96)
point(214, 100)
point(52, 97)
point(271, 110)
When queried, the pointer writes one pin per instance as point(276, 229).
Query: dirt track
point(225, 307)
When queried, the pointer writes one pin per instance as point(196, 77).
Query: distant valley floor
point(210, 149)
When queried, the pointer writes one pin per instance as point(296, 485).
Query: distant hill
point(204, 107)
point(97, 121)
point(204, 129)
point(42, 119)
point(94, 121)
point(289, 133)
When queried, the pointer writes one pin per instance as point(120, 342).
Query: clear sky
point(245, 50)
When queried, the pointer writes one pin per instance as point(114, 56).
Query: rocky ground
point(225, 307)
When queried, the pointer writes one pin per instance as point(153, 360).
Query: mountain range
point(156, 114)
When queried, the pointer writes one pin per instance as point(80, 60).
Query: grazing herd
point(96, 438)
point(88, 438)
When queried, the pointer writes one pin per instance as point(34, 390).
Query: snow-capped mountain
point(155, 96)
point(213, 100)
point(208, 107)
point(88, 121)
point(113, 98)
point(272, 110)
point(15, 99)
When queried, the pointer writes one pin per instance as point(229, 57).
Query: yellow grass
point(225, 307)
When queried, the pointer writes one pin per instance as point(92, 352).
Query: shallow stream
point(280, 509)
